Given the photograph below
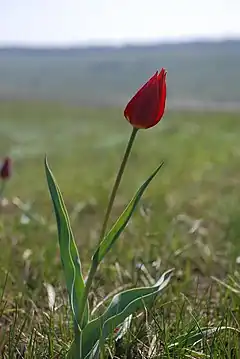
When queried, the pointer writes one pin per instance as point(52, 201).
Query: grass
point(188, 219)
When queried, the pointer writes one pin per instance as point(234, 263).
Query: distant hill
point(199, 74)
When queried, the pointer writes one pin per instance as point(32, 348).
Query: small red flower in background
point(147, 107)
point(5, 171)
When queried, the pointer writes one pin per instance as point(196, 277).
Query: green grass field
point(188, 219)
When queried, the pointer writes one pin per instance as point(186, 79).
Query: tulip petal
point(146, 108)
point(163, 92)
point(153, 79)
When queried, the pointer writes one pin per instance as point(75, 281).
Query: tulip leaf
point(121, 307)
point(192, 339)
point(122, 221)
point(68, 250)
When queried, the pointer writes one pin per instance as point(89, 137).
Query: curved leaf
point(192, 339)
point(122, 221)
point(68, 250)
point(121, 306)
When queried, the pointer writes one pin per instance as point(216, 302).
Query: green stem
point(89, 280)
point(94, 265)
point(2, 187)
point(117, 181)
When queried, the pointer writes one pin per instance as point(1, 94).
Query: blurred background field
point(200, 73)
point(188, 218)
point(84, 147)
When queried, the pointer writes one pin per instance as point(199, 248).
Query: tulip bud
point(5, 169)
point(147, 107)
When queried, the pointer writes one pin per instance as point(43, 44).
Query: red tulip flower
point(147, 107)
point(5, 171)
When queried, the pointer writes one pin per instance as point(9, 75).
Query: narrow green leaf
point(68, 250)
point(192, 339)
point(122, 306)
point(122, 221)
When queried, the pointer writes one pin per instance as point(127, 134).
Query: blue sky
point(69, 22)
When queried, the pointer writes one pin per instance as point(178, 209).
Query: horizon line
point(116, 44)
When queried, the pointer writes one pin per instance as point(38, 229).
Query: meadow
point(189, 219)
